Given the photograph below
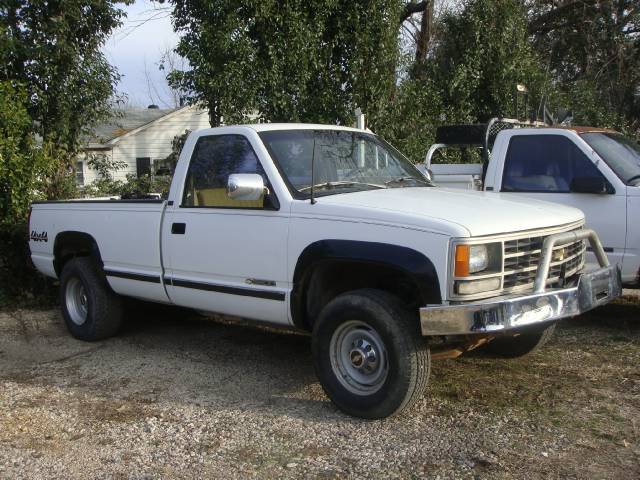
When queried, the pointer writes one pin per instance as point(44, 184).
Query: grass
point(583, 385)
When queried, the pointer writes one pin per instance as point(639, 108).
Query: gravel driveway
point(179, 395)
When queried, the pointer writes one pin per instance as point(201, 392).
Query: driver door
point(224, 255)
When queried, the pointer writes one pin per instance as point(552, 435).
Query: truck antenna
point(313, 161)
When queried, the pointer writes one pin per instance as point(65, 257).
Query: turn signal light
point(462, 261)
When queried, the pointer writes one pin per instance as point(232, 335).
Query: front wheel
point(369, 355)
point(520, 345)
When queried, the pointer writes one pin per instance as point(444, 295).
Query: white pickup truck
point(333, 231)
point(593, 169)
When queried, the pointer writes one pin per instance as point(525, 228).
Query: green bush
point(18, 157)
point(141, 186)
point(20, 282)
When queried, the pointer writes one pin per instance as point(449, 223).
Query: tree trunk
point(215, 118)
point(426, 32)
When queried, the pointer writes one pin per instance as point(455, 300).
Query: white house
point(141, 137)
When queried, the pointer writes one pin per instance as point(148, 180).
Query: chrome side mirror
point(245, 186)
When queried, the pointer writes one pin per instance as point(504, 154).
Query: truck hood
point(479, 213)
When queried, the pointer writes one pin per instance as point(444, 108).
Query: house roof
point(123, 122)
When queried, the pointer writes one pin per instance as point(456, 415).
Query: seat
point(217, 197)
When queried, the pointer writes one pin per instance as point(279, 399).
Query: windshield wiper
point(330, 185)
point(402, 180)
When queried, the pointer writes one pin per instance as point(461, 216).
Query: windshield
point(343, 161)
point(621, 153)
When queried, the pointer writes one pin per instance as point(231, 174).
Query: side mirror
point(246, 186)
point(597, 185)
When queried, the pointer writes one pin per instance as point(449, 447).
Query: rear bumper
point(594, 288)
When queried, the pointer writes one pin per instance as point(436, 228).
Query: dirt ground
point(178, 395)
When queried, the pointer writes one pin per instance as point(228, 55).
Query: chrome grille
point(522, 257)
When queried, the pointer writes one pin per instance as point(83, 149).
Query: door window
point(544, 163)
point(215, 158)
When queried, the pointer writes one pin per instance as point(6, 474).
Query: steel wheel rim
point(76, 301)
point(359, 357)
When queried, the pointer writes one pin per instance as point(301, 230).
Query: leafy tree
point(290, 61)
point(18, 159)
point(316, 61)
point(52, 49)
point(26, 166)
point(592, 49)
point(176, 148)
point(412, 117)
point(468, 74)
point(484, 53)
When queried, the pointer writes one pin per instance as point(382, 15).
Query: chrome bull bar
point(551, 241)
point(510, 313)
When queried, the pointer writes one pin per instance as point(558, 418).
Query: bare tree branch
point(413, 7)
point(544, 22)
point(410, 32)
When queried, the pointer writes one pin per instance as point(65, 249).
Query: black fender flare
point(73, 243)
point(414, 264)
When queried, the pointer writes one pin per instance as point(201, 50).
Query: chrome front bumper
point(500, 314)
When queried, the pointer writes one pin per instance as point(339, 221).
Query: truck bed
point(127, 233)
point(458, 175)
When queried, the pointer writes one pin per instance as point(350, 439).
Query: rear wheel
point(91, 310)
point(520, 345)
point(369, 355)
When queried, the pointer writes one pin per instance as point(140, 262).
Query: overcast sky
point(146, 32)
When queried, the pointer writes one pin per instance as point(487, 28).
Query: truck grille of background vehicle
point(522, 258)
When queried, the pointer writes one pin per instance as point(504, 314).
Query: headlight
point(471, 259)
point(478, 258)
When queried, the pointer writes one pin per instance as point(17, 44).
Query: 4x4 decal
point(39, 237)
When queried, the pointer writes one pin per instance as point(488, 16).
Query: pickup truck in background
point(593, 169)
point(333, 231)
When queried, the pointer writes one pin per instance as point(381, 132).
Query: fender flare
point(71, 242)
point(412, 263)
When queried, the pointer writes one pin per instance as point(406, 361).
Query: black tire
point(103, 308)
point(408, 360)
point(520, 345)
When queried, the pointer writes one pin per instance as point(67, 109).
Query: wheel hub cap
point(76, 301)
point(363, 356)
point(358, 357)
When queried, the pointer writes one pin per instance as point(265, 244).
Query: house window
point(79, 174)
point(162, 167)
point(143, 166)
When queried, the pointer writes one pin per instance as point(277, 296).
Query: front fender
point(406, 260)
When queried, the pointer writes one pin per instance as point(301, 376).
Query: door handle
point(178, 228)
